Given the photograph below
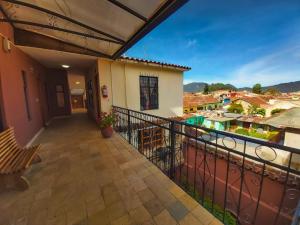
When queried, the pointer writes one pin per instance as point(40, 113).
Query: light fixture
point(77, 82)
point(65, 66)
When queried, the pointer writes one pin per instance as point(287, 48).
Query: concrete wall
point(12, 101)
point(291, 139)
point(122, 79)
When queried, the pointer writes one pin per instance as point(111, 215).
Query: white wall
point(122, 78)
point(292, 140)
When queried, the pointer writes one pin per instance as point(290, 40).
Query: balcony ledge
point(85, 179)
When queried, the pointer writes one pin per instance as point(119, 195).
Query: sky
point(241, 42)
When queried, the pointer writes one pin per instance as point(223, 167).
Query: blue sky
point(241, 42)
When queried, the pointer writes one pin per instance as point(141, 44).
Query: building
point(290, 122)
point(248, 103)
point(196, 102)
point(141, 85)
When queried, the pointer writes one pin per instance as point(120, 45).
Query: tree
point(257, 89)
point(272, 91)
point(206, 89)
point(235, 108)
point(252, 109)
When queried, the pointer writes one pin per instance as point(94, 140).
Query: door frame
point(97, 84)
point(2, 115)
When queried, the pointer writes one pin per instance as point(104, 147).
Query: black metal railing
point(238, 179)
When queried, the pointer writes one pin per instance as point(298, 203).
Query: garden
point(256, 133)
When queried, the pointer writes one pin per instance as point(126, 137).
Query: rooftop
point(289, 118)
point(190, 100)
point(164, 64)
point(254, 100)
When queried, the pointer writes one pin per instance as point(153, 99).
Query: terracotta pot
point(107, 132)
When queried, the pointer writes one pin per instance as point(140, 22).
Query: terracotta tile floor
point(85, 179)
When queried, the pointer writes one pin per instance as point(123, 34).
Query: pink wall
point(12, 95)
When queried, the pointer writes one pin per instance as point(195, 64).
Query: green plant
point(275, 111)
point(236, 108)
point(261, 111)
point(106, 119)
point(253, 133)
point(215, 209)
point(242, 131)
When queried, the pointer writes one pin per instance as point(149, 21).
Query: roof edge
point(175, 66)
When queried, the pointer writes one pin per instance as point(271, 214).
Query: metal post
point(128, 126)
point(172, 149)
point(296, 219)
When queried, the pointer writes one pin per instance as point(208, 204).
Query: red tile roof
point(190, 100)
point(185, 68)
point(255, 100)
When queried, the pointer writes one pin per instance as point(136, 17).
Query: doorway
point(76, 79)
point(1, 120)
point(77, 101)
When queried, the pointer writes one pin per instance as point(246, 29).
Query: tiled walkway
point(85, 179)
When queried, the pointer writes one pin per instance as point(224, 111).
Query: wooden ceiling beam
point(32, 39)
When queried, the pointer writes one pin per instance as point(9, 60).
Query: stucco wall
point(291, 139)
point(12, 95)
point(122, 80)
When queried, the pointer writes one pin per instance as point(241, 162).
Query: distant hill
point(286, 87)
point(199, 87)
point(194, 87)
point(283, 87)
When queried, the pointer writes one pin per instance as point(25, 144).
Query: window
point(148, 92)
point(60, 96)
point(25, 89)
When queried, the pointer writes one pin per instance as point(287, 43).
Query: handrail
point(249, 139)
point(180, 151)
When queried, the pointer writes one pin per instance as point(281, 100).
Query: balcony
point(85, 179)
point(238, 179)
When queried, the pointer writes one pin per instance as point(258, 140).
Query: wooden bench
point(14, 160)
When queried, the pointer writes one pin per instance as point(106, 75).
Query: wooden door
point(77, 101)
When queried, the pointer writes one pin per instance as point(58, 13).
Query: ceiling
point(105, 27)
point(54, 59)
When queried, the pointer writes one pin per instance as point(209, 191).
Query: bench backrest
point(7, 141)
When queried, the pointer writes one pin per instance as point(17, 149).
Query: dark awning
point(104, 28)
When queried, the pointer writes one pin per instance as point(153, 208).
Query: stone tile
point(178, 210)
point(116, 211)
point(145, 195)
point(149, 222)
point(154, 207)
point(188, 202)
point(203, 215)
point(124, 220)
point(85, 179)
point(164, 218)
point(99, 218)
point(94, 206)
point(140, 215)
point(189, 219)
point(216, 222)
point(132, 202)
point(176, 191)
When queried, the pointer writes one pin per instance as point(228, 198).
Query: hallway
point(85, 179)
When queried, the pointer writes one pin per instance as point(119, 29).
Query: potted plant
point(105, 122)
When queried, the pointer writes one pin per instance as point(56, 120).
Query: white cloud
point(191, 43)
point(279, 67)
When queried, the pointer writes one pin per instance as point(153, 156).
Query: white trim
point(35, 137)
